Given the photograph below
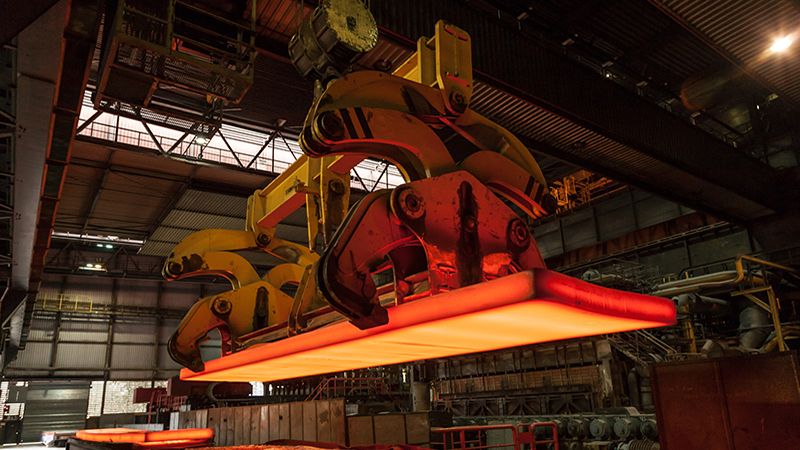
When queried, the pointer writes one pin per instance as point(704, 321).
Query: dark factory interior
point(400, 224)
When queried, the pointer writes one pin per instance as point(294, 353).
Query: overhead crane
point(442, 265)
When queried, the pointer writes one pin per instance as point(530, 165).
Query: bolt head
point(518, 234)
point(470, 224)
point(458, 102)
point(221, 306)
point(174, 268)
point(411, 204)
point(263, 240)
point(330, 125)
point(336, 186)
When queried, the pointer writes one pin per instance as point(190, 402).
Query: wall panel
point(652, 210)
point(84, 330)
point(139, 293)
point(82, 356)
point(35, 355)
point(719, 248)
point(138, 332)
point(126, 356)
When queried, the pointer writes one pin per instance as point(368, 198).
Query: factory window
point(258, 389)
point(95, 399)
point(12, 399)
point(118, 397)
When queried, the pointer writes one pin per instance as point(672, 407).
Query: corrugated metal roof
point(213, 203)
point(190, 220)
point(195, 210)
point(156, 248)
point(527, 120)
point(384, 53)
point(169, 234)
point(744, 30)
point(278, 19)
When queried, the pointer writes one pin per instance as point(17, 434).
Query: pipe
point(645, 390)
point(633, 388)
point(695, 303)
point(754, 327)
point(694, 284)
point(718, 279)
point(791, 331)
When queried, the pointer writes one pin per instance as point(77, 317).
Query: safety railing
point(188, 149)
point(64, 303)
point(84, 305)
point(789, 256)
point(368, 176)
point(531, 436)
point(342, 387)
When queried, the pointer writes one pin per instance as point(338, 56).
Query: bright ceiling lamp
point(68, 236)
point(525, 308)
point(781, 44)
point(93, 267)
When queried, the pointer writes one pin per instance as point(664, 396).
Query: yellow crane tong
point(419, 119)
point(459, 222)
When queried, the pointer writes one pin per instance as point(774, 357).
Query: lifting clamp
point(462, 217)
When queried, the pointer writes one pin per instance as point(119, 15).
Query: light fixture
point(99, 240)
point(93, 267)
point(781, 44)
point(109, 246)
point(200, 139)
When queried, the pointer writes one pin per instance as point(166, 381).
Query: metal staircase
point(642, 347)
point(364, 389)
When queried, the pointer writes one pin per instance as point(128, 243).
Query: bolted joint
point(336, 186)
point(330, 125)
point(458, 102)
point(174, 268)
point(518, 234)
point(263, 240)
point(469, 223)
point(221, 306)
point(411, 204)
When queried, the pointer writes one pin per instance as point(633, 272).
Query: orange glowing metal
point(525, 308)
point(148, 439)
point(115, 435)
point(173, 444)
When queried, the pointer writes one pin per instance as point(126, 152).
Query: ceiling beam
point(509, 58)
point(19, 15)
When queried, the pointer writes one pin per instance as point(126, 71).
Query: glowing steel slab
point(183, 438)
point(525, 308)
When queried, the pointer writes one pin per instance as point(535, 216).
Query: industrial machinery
point(174, 63)
point(442, 265)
